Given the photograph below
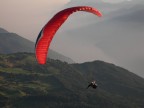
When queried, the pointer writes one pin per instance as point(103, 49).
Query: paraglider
point(92, 84)
point(48, 31)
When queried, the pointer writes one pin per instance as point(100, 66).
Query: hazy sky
point(26, 17)
point(115, 1)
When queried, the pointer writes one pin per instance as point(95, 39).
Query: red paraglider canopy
point(46, 35)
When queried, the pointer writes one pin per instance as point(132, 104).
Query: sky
point(27, 17)
point(115, 1)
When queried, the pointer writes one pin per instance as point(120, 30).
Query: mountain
point(118, 35)
point(3, 30)
point(25, 84)
point(12, 43)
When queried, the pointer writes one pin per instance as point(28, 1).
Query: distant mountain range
point(117, 36)
point(12, 43)
point(26, 84)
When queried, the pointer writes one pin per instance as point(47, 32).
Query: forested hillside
point(26, 84)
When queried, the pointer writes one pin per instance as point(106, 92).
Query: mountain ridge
point(12, 43)
point(3, 30)
point(58, 84)
point(119, 36)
